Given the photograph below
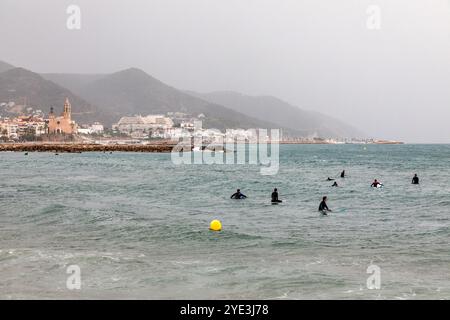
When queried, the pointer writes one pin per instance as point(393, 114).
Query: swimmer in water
point(275, 196)
point(415, 180)
point(376, 184)
point(238, 195)
point(335, 184)
point(329, 179)
point(343, 174)
point(323, 206)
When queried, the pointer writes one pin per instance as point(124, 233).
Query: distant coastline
point(334, 142)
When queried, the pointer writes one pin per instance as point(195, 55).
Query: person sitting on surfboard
point(343, 174)
point(376, 184)
point(275, 196)
point(415, 180)
point(323, 206)
point(238, 195)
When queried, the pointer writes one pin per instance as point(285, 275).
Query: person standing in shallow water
point(415, 179)
point(275, 196)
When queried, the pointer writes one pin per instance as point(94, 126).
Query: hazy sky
point(392, 82)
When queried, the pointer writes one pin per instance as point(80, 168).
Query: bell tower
point(51, 115)
point(67, 109)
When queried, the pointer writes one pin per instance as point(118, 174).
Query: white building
point(97, 127)
point(84, 130)
point(9, 130)
point(188, 125)
point(39, 128)
point(139, 125)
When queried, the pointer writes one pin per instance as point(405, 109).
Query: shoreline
point(331, 143)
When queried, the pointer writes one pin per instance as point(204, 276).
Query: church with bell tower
point(62, 124)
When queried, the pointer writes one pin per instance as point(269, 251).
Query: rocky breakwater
point(79, 148)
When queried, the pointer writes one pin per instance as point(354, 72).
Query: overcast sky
point(392, 82)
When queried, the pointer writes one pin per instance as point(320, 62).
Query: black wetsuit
point(343, 174)
point(238, 195)
point(376, 184)
point(415, 180)
point(323, 206)
point(335, 184)
point(275, 197)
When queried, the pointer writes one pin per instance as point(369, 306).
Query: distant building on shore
point(143, 126)
point(9, 129)
point(22, 126)
point(64, 123)
point(95, 128)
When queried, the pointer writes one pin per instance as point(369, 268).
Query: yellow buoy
point(215, 225)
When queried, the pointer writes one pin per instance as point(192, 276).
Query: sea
point(136, 226)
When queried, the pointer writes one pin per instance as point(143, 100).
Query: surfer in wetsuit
point(343, 174)
point(375, 184)
point(335, 184)
point(238, 195)
point(323, 206)
point(275, 196)
point(415, 180)
point(329, 179)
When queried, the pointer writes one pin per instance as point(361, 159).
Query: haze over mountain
point(5, 66)
point(107, 97)
point(136, 92)
point(75, 82)
point(128, 92)
point(28, 88)
point(132, 91)
point(272, 109)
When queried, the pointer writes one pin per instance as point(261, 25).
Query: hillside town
point(34, 125)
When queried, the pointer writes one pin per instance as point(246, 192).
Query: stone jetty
point(77, 148)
